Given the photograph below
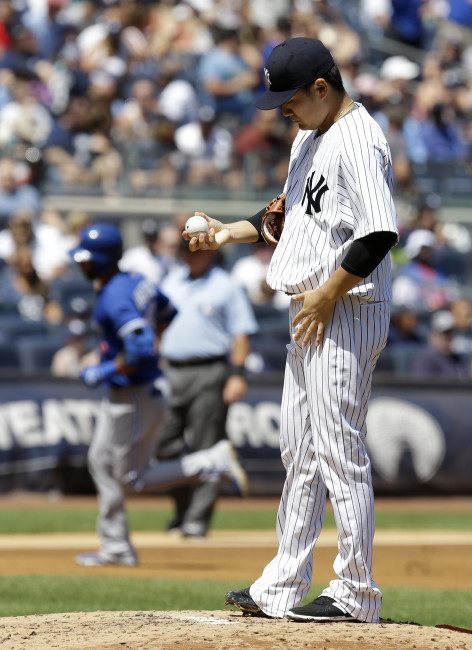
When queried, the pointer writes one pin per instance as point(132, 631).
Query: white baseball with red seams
point(196, 224)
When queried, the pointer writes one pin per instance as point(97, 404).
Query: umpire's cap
point(294, 63)
point(100, 243)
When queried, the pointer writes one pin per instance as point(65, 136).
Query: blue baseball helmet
point(101, 244)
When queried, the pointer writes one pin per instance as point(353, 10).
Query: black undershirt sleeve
point(366, 253)
point(256, 221)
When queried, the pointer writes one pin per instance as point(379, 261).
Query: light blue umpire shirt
point(211, 310)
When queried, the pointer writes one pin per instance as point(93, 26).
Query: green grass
point(30, 594)
point(64, 519)
point(461, 520)
point(21, 595)
point(60, 519)
point(428, 606)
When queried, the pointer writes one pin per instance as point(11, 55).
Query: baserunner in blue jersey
point(130, 313)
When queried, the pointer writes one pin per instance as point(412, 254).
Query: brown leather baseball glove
point(273, 220)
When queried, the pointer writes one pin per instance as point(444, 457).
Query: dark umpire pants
point(196, 420)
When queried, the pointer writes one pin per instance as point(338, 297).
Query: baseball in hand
point(195, 225)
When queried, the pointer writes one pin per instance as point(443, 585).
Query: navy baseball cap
point(294, 63)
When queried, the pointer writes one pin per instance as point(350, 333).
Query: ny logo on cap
point(266, 72)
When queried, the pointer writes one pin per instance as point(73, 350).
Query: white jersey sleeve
point(366, 169)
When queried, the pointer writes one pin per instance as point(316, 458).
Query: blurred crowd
point(127, 98)
point(46, 304)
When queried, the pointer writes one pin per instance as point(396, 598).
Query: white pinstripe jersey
point(339, 188)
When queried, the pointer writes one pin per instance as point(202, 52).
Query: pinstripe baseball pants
point(323, 413)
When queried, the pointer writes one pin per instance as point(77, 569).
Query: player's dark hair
point(332, 77)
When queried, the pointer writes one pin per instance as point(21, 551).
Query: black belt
point(195, 362)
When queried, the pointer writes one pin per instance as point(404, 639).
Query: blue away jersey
point(127, 303)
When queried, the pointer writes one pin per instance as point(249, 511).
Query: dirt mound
point(208, 630)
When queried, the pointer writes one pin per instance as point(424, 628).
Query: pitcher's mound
point(205, 630)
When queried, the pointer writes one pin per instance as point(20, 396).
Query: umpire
point(205, 347)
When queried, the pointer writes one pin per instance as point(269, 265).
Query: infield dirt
point(216, 630)
point(417, 558)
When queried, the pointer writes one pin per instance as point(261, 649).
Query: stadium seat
point(448, 179)
point(385, 363)
point(8, 356)
point(13, 326)
point(270, 353)
point(74, 296)
point(402, 355)
point(36, 352)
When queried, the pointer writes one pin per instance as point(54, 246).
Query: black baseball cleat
point(322, 609)
point(242, 599)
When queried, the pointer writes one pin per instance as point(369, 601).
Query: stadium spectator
point(443, 136)
point(452, 255)
point(23, 53)
point(102, 98)
point(457, 23)
point(100, 44)
point(437, 357)
point(206, 149)
point(393, 95)
point(21, 286)
point(406, 24)
point(250, 273)
point(178, 99)
point(182, 29)
point(8, 18)
point(48, 25)
point(72, 224)
point(374, 15)
point(418, 283)
point(116, 79)
point(453, 241)
point(143, 257)
point(461, 309)
point(227, 79)
point(67, 360)
point(134, 117)
point(44, 239)
point(460, 12)
point(425, 217)
point(261, 150)
point(100, 51)
point(160, 172)
point(15, 191)
point(407, 334)
point(80, 150)
point(405, 327)
point(169, 240)
point(25, 119)
point(396, 114)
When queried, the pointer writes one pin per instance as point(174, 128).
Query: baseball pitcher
point(331, 257)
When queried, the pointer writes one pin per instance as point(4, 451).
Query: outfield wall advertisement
point(419, 436)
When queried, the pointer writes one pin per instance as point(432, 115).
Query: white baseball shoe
point(98, 558)
point(228, 466)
